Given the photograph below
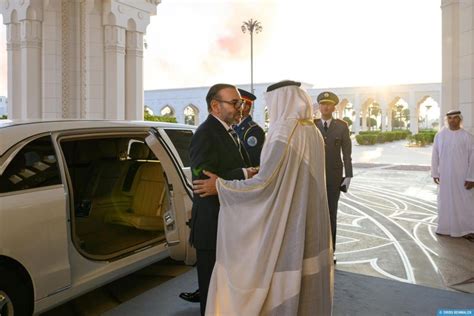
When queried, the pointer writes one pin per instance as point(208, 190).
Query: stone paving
point(386, 228)
point(387, 222)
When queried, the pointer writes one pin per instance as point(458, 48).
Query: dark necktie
point(325, 126)
point(236, 141)
point(235, 137)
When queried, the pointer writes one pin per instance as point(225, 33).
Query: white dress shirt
point(227, 127)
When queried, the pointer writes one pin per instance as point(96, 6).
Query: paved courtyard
point(386, 229)
point(387, 222)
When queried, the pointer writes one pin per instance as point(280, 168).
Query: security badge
point(252, 141)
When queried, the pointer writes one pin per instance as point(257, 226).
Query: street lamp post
point(251, 26)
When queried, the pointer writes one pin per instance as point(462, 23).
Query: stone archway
point(168, 111)
point(428, 113)
point(398, 114)
point(340, 108)
point(191, 115)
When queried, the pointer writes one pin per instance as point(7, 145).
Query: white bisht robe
point(452, 162)
point(274, 253)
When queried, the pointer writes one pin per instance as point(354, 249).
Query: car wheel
point(14, 298)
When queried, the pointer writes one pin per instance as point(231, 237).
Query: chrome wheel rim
point(6, 305)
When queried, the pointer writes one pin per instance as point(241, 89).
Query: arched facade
point(191, 115)
point(168, 111)
point(357, 103)
point(76, 59)
point(83, 59)
point(378, 103)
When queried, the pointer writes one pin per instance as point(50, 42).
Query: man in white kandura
point(274, 254)
point(452, 167)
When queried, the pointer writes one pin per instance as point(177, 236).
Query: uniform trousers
point(333, 199)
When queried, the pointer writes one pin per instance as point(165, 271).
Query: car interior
point(120, 194)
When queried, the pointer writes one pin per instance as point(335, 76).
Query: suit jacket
point(337, 139)
point(213, 149)
point(253, 137)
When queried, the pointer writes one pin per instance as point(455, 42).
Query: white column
point(30, 37)
point(450, 52)
point(180, 113)
point(356, 106)
point(389, 119)
point(356, 123)
point(412, 105)
point(383, 118)
point(364, 120)
point(114, 72)
point(458, 58)
point(466, 62)
point(134, 102)
point(14, 71)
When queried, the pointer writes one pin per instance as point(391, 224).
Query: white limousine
point(85, 202)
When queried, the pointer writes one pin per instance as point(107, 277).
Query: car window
point(34, 166)
point(181, 140)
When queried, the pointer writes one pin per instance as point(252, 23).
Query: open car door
point(180, 192)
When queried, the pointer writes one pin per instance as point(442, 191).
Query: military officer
point(337, 139)
point(250, 133)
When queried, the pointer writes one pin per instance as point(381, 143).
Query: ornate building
point(76, 58)
point(409, 106)
point(458, 58)
point(84, 59)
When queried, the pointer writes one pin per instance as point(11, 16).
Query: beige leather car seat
point(148, 199)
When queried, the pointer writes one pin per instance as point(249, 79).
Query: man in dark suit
point(250, 133)
point(215, 147)
point(337, 139)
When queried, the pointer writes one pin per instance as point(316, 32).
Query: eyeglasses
point(235, 103)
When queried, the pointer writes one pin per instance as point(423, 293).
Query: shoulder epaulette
point(252, 124)
point(342, 121)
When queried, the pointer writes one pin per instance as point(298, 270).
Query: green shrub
point(369, 132)
point(366, 139)
point(422, 139)
point(372, 137)
point(157, 118)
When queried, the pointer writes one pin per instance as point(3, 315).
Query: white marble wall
point(70, 59)
point(458, 59)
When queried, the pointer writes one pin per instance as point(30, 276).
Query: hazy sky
point(328, 43)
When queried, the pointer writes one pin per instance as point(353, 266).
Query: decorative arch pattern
point(168, 111)
point(191, 115)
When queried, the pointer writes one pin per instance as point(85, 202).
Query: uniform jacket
point(212, 149)
point(337, 140)
point(253, 137)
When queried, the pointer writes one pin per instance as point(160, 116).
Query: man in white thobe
point(274, 254)
point(452, 167)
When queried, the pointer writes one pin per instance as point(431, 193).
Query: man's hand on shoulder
point(469, 185)
point(206, 187)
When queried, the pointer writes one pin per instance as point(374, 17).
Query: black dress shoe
point(192, 297)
